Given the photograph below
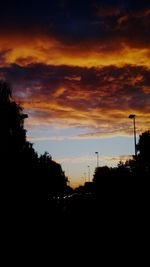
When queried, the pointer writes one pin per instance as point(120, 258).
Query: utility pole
point(97, 159)
point(132, 116)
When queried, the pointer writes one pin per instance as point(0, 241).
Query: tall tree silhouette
point(12, 134)
point(24, 175)
point(143, 158)
point(12, 140)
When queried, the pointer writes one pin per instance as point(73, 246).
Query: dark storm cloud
point(76, 22)
point(94, 98)
point(107, 86)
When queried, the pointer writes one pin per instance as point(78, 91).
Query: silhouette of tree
point(101, 179)
point(12, 139)
point(143, 147)
point(54, 180)
point(24, 175)
point(12, 134)
point(101, 173)
point(140, 165)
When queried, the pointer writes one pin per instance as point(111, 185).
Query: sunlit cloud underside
point(98, 99)
point(72, 69)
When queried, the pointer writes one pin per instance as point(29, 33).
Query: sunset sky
point(79, 68)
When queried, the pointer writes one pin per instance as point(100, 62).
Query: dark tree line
point(24, 175)
point(136, 168)
point(125, 188)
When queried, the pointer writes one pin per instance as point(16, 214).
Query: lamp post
point(89, 172)
point(132, 116)
point(97, 159)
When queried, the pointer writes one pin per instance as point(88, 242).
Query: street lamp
point(97, 159)
point(89, 172)
point(132, 116)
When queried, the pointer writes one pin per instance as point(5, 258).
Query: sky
point(79, 68)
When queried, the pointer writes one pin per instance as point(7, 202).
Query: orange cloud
point(92, 82)
point(100, 101)
point(23, 50)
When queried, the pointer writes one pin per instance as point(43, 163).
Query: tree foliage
point(143, 147)
point(24, 174)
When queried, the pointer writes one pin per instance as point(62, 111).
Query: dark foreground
point(113, 222)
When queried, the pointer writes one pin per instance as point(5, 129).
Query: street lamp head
point(96, 152)
point(131, 116)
